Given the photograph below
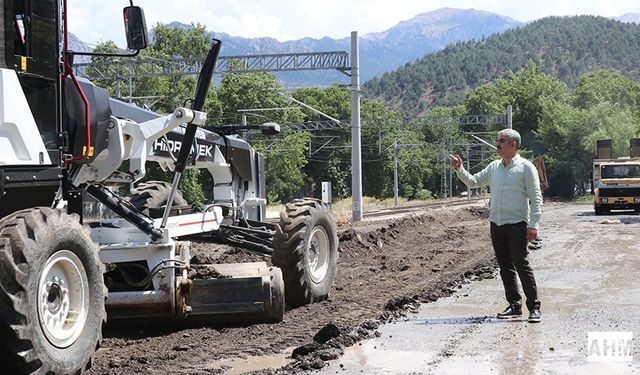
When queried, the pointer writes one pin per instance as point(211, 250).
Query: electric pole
point(395, 172)
point(356, 161)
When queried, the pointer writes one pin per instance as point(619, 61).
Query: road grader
point(63, 139)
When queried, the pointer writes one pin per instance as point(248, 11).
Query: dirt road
point(587, 273)
point(422, 257)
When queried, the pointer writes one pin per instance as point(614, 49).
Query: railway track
point(436, 204)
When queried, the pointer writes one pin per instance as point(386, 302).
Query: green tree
point(377, 137)
point(110, 85)
point(570, 135)
point(192, 188)
point(568, 163)
point(610, 121)
point(285, 155)
point(527, 91)
point(607, 86)
point(284, 177)
point(159, 93)
point(181, 42)
point(254, 91)
point(329, 157)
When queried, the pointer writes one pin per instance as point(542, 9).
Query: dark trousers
point(510, 244)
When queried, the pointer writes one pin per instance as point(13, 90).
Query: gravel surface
point(384, 269)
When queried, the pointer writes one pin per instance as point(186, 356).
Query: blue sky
point(94, 20)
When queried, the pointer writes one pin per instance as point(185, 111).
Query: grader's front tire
point(307, 253)
point(52, 294)
point(154, 194)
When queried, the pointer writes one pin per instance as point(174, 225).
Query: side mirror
point(135, 27)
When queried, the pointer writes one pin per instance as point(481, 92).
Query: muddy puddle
point(236, 366)
point(421, 340)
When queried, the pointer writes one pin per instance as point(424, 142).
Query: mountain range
point(383, 51)
point(563, 47)
point(629, 18)
point(380, 52)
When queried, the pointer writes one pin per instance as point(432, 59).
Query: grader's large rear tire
point(307, 253)
point(52, 294)
point(154, 194)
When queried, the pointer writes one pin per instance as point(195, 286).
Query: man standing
point(514, 183)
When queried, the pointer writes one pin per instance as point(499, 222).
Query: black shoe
point(511, 312)
point(535, 316)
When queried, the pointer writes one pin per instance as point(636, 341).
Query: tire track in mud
point(458, 337)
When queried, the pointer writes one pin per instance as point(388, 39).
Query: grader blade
point(239, 292)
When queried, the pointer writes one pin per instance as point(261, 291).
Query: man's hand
point(532, 234)
point(456, 162)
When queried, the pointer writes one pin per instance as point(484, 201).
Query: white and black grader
point(63, 139)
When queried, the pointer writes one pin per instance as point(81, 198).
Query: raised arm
point(477, 180)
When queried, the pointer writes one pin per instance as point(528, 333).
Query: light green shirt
point(512, 188)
